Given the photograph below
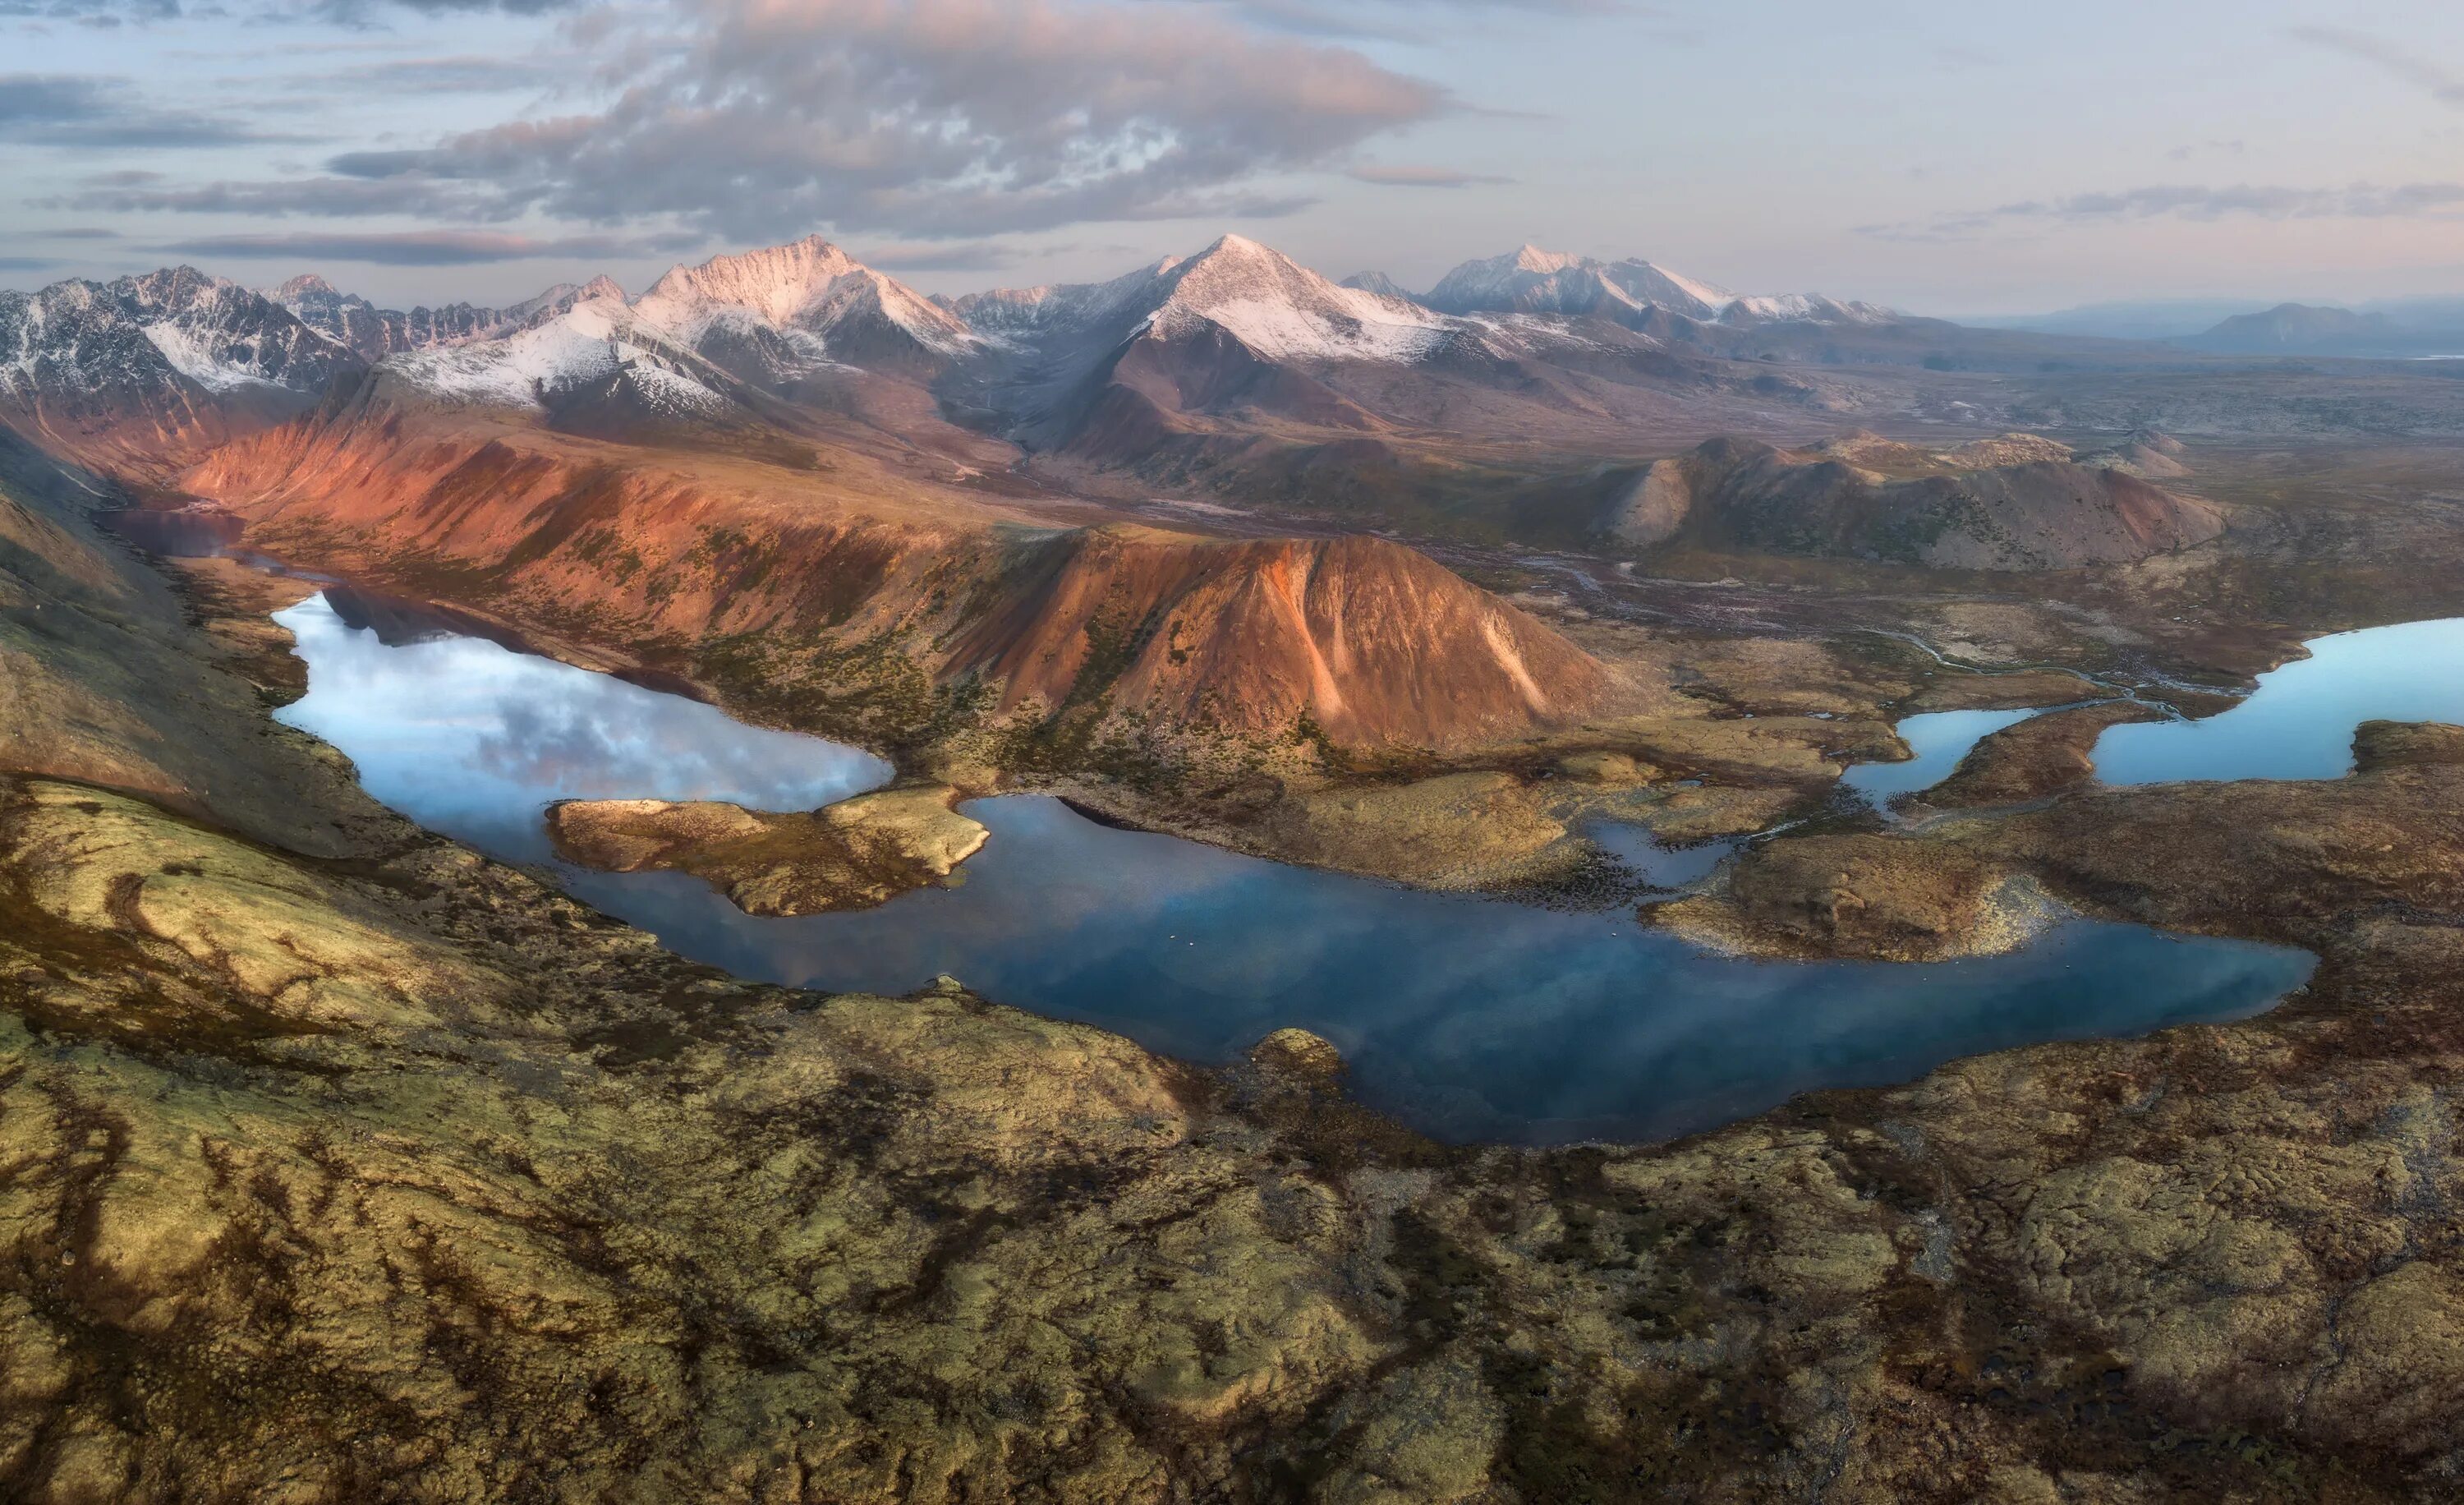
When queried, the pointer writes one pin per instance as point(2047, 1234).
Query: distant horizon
point(951, 285)
point(434, 152)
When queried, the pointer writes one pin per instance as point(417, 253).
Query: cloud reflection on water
point(2299, 722)
point(1466, 1017)
point(475, 740)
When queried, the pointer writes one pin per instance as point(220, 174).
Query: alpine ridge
point(166, 365)
point(1532, 281)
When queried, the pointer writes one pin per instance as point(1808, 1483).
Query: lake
point(2298, 723)
point(1465, 1017)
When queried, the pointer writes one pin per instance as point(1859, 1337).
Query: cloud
point(1399, 176)
point(2184, 201)
point(369, 13)
point(2403, 61)
point(424, 248)
point(442, 75)
point(82, 111)
point(1399, 20)
point(93, 13)
point(2355, 201)
point(28, 263)
point(340, 13)
point(329, 197)
point(953, 255)
point(929, 119)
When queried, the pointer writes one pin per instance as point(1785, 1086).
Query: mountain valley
point(346, 1153)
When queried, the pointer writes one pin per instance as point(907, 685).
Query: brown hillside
point(1372, 641)
point(2012, 503)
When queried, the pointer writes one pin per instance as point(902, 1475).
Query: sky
point(1997, 159)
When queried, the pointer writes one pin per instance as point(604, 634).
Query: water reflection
point(1940, 739)
point(1660, 865)
point(2298, 723)
point(1465, 1017)
point(474, 739)
point(1468, 1017)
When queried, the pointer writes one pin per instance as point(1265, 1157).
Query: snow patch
point(575, 347)
point(810, 285)
point(192, 360)
point(1281, 331)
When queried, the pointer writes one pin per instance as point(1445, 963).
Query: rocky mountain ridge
point(1530, 279)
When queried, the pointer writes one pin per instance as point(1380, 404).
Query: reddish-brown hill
point(1373, 642)
point(143, 438)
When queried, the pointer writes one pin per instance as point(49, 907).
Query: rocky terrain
point(138, 374)
point(852, 854)
point(350, 1166)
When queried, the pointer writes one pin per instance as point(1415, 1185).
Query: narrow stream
point(1468, 1018)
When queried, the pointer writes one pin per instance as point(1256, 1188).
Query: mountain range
point(787, 444)
point(2309, 329)
point(2386, 327)
point(768, 318)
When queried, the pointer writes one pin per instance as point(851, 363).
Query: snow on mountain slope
point(1279, 309)
point(601, 289)
point(375, 333)
point(592, 338)
point(1534, 280)
point(810, 285)
point(193, 358)
point(145, 335)
point(1648, 283)
point(1531, 281)
point(1810, 306)
point(1282, 311)
point(1013, 314)
point(1380, 283)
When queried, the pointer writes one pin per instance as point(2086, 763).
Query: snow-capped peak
point(143, 336)
point(1533, 280)
point(777, 283)
point(1270, 303)
point(1283, 310)
point(1531, 258)
point(809, 284)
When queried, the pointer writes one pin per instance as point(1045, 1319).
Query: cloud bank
point(930, 118)
point(423, 247)
point(2193, 202)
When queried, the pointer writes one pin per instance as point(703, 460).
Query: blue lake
point(1468, 1018)
point(2298, 723)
